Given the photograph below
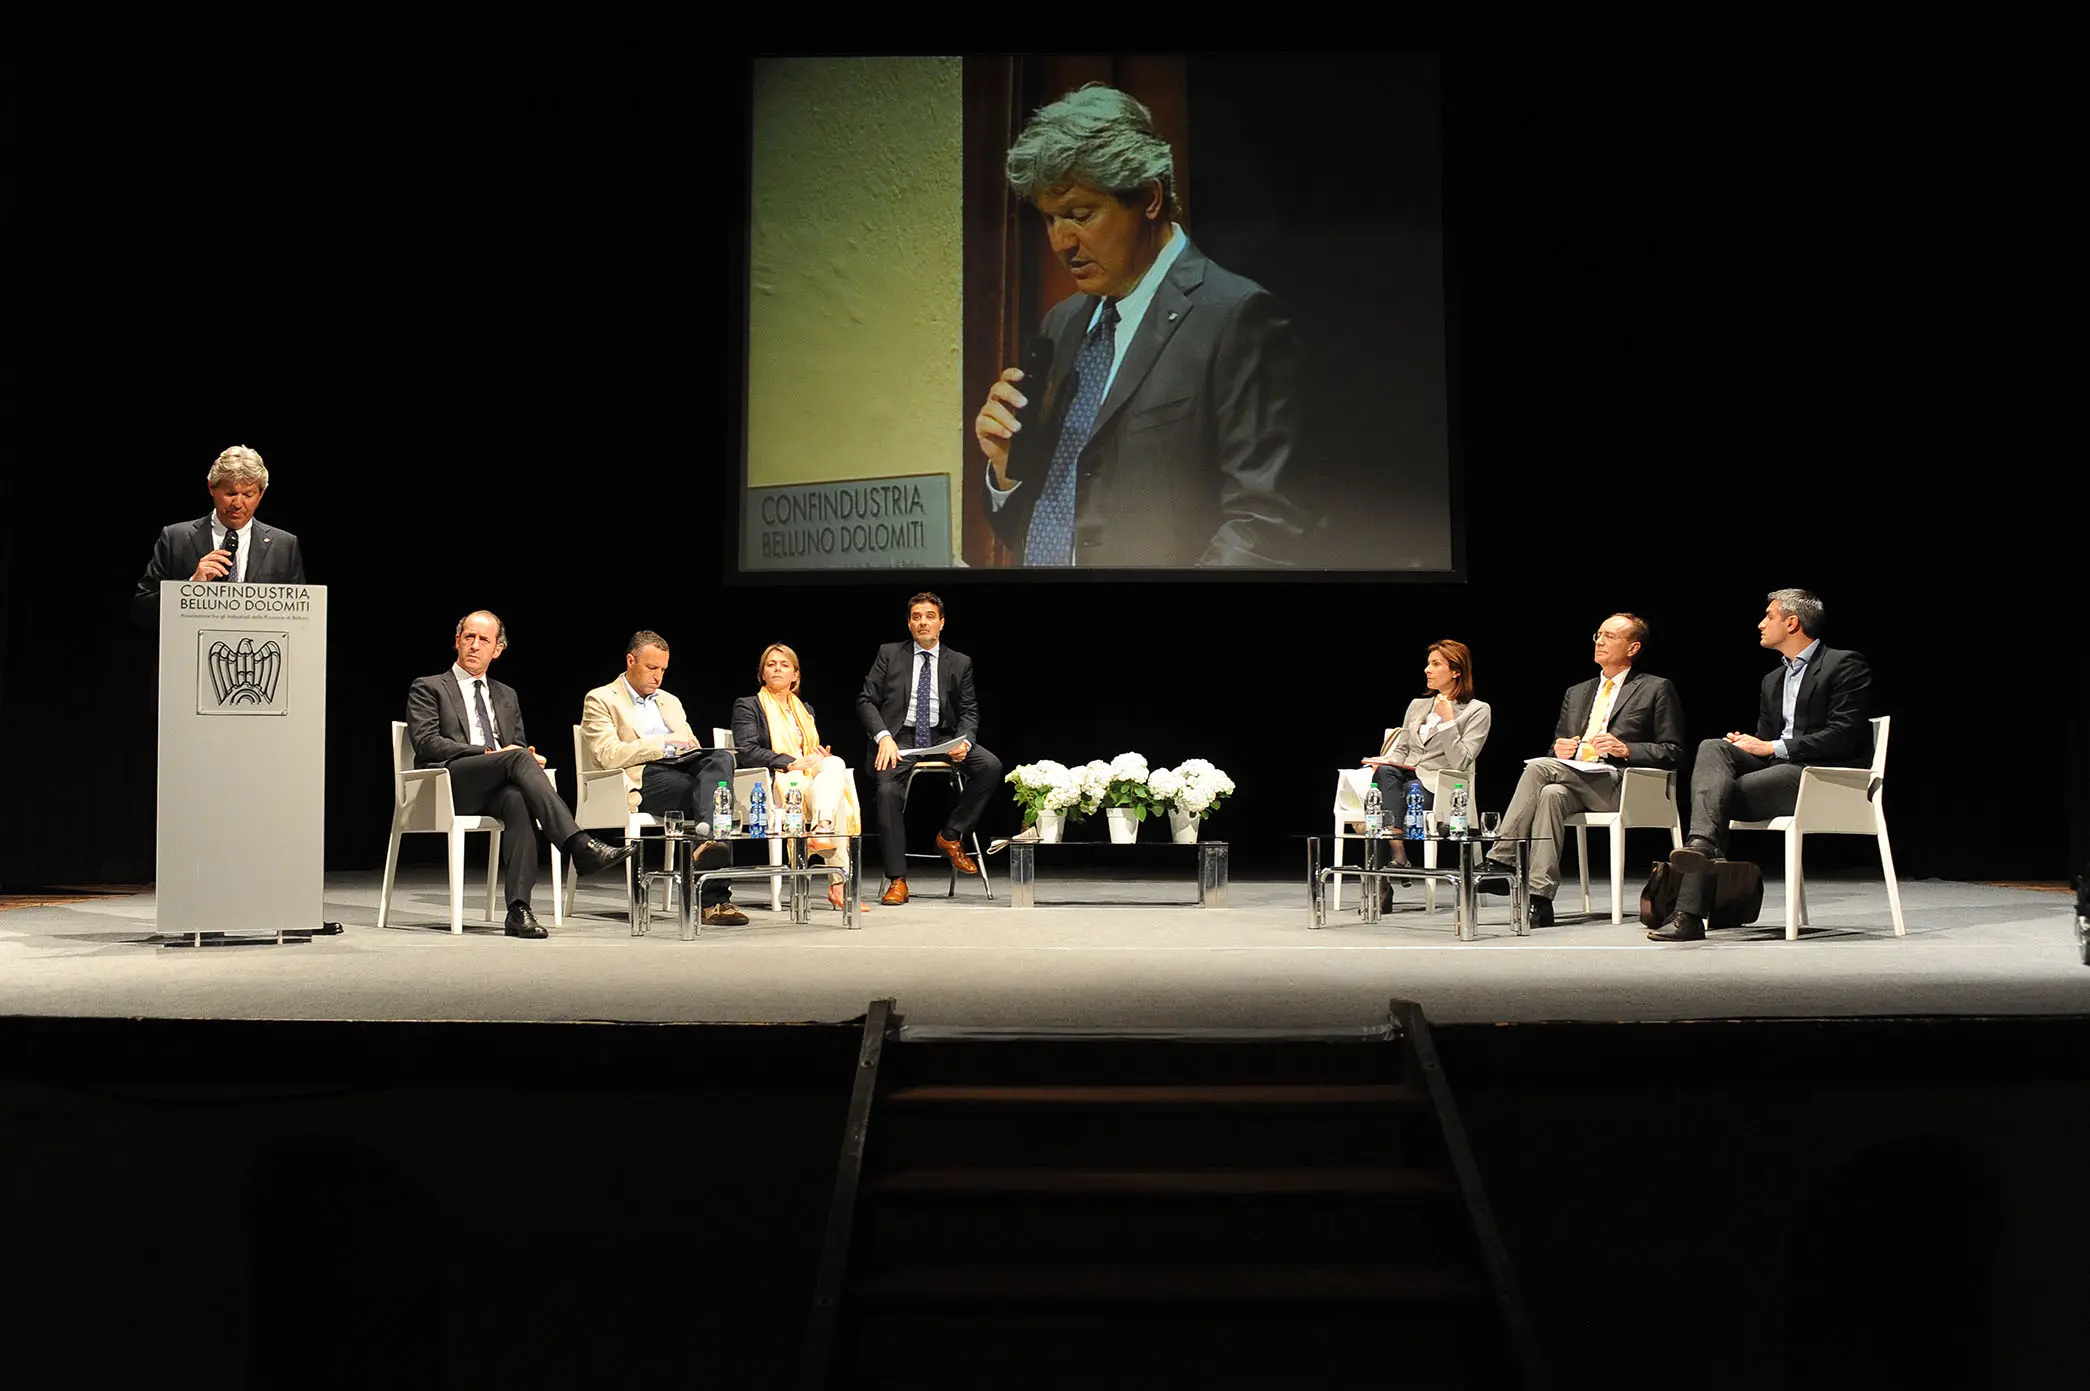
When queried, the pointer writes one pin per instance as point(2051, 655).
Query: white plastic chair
point(421, 802)
point(1836, 802)
point(1646, 799)
point(600, 803)
point(1350, 787)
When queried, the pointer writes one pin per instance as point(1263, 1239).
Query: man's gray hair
point(239, 464)
point(1098, 137)
point(1800, 604)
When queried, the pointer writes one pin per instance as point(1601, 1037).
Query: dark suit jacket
point(1186, 464)
point(883, 701)
point(1645, 715)
point(273, 558)
point(1831, 719)
point(440, 729)
point(753, 746)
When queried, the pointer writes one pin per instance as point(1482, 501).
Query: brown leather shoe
point(724, 915)
point(955, 853)
point(895, 893)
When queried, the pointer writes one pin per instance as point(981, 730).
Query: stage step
point(1024, 1212)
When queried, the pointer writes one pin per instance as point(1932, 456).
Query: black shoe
point(1679, 927)
point(591, 856)
point(1492, 886)
point(523, 923)
point(1696, 855)
point(1541, 911)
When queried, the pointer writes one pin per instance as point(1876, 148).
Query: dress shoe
point(1541, 911)
point(955, 853)
point(1697, 854)
point(1679, 927)
point(1498, 887)
point(523, 923)
point(724, 914)
point(591, 856)
point(895, 893)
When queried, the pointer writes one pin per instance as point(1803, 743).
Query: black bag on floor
point(1737, 894)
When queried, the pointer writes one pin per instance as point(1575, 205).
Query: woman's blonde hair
point(763, 664)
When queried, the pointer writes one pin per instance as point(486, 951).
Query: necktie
point(924, 726)
point(1599, 712)
point(485, 719)
point(231, 555)
point(1051, 539)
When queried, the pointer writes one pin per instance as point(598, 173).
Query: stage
point(1097, 952)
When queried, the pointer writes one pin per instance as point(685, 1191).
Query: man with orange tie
point(1617, 719)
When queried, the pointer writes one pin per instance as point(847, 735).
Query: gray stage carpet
point(1095, 953)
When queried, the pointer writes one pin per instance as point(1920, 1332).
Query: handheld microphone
point(1030, 452)
point(701, 831)
point(231, 555)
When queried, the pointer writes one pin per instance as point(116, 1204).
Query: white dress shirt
point(645, 713)
point(246, 547)
point(1795, 671)
point(914, 680)
point(484, 738)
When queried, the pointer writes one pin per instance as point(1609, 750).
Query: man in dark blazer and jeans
point(473, 726)
point(904, 676)
point(1814, 707)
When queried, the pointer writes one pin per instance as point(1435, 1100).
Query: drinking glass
point(671, 822)
point(1490, 824)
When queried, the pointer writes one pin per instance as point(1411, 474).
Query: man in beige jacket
point(634, 725)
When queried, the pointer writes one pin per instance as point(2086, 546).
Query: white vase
point(1050, 825)
point(1182, 827)
point(1124, 829)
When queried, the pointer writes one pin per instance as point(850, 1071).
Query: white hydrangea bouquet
point(1046, 786)
point(1189, 792)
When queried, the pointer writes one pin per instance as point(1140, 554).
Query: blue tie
point(1051, 539)
point(923, 725)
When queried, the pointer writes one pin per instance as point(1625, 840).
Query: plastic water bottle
point(1458, 809)
point(757, 811)
point(722, 810)
point(794, 812)
point(1411, 823)
point(1374, 812)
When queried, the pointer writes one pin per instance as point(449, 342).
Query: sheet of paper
point(1594, 765)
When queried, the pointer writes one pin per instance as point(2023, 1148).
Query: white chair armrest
point(1859, 778)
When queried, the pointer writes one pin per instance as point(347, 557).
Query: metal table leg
point(682, 858)
point(1467, 897)
point(1023, 875)
point(1368, 884)
point(851, 919)
point(1211, 874)
point(1520, 897)
point(1316, 891)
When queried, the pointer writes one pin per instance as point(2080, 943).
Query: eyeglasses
point(1601, 636)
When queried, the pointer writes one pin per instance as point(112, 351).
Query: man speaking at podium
point(918, 695)
point(226, 545)
point(460, 720)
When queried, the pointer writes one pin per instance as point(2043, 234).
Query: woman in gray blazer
point(1443, 730)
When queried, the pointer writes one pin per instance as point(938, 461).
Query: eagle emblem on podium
point(243, 674)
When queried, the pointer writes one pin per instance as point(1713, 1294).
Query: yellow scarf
point(791, 727)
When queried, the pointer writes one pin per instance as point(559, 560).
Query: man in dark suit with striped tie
point(917, 695)
point(1164, 428)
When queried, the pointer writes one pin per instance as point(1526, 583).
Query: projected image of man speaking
point(1155, 417)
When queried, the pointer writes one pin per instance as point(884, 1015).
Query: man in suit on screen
point(464, 721)
point(919, 695)
point(1164, 429)
point(1815, 706)
point(228, 544)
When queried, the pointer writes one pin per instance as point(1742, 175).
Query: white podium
point(243, 731)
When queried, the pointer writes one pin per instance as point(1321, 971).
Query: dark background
point(1724, 319)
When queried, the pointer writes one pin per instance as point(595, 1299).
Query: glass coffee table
point(1467, 868)
point(679, 868)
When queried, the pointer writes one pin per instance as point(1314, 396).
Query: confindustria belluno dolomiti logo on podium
point(242, 673)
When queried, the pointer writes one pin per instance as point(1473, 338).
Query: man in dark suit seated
point(1619, 719)
point(1814, 707)
point(460, 720)
point(919, 694)
point(228, 544)
point(1164, 429)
